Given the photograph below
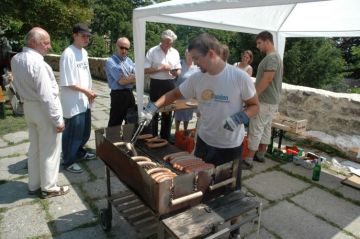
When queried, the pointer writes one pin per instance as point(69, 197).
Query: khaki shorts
point(260, 126)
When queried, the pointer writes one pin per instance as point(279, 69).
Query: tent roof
point(284, 18)
point(290, 17)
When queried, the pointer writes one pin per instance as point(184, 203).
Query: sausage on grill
point(156, 143)
point(146, 163)
point(168, 157)
point(157, 170)
point(199, 168)
point(140, 158)
point(145, 136)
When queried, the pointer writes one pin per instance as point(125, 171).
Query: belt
point(118, 90)
point(161, 79)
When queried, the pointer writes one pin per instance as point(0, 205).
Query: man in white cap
point(162, 63)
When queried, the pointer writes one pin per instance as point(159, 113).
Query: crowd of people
point(59, 116)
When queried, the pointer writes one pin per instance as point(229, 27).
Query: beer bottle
point(316, 171)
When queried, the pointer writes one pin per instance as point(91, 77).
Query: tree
point(350, 48)
point(56, 16)
point(314, 62)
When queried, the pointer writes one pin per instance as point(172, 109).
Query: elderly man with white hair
point(162, 63)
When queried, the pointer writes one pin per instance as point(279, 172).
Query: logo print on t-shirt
point(207, 95)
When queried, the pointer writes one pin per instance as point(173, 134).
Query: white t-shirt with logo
point(219, 96)
point(74, 70)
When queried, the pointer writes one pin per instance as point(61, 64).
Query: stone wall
point(329, 112)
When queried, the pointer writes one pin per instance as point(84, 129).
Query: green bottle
point(316, 172)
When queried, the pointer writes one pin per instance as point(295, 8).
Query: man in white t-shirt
point(162, 63)
point(76, 99)
point(226, 100)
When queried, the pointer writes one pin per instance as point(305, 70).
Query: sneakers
point(89, 156)
point(74, 168)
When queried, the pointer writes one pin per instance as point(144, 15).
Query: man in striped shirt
point(35, 82)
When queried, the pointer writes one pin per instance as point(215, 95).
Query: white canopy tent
point(283, 18)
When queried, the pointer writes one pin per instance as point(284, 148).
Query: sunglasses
point(124, 48)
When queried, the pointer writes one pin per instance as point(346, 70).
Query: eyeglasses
point(123, 48)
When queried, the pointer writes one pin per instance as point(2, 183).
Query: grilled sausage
point(156, 143)
point(157, 170)
point(179, 164)
point(199, 168)
point(183, 165)
point(168, 157)
point(156, 176)
point(145, 136)
point(179, 158)
point(140, 158)
point(146, 163)
point(119, 143)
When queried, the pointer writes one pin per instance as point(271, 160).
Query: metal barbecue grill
point(157, 200)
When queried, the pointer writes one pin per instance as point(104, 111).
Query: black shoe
point(257, 159)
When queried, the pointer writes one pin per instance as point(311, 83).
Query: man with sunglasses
point(76, 99)
point(120, 76)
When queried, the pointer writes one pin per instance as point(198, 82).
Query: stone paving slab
point(326, 178)
point(3, 143)
point(13, 167)
point(24, 222)
point(97, 188)
point(97, 167)
point(15, 193)
point(16, 137)
point(259, 167)
point(345, 214)
point(89, 233)
point(291, 221)
point(275, 185)
point(14, 150)
point(264, 234)
point(349, 192)
point(66, 177)
point(70, 211)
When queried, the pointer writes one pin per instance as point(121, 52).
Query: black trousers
point(157, 89)
point(218, 156)
point(121, 101)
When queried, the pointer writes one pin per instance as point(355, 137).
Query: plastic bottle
point(316, 171)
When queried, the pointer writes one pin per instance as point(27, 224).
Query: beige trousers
point(260, 126)
point(44, 150)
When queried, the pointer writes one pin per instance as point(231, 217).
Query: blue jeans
point(76, 134)
point(218, 156)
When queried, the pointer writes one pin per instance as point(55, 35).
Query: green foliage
point(314, 62)
point(97, 47)
point(55, 16)
point(17, 122)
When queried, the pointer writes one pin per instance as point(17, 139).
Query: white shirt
point(34, 80)
point(156, 57)
point(74, 70)
point(219, 96)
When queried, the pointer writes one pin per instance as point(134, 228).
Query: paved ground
point(294, 206)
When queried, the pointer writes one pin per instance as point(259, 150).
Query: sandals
point(63, 190)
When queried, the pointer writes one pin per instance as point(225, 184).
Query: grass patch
point(11, 123)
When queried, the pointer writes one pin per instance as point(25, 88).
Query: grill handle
point(177, 201)
point(222, 183)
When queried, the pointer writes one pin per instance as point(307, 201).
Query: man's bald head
point(122, 46)
point(39, 40)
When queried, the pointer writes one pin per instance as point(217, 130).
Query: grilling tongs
point(139, 129)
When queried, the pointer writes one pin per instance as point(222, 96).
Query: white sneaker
point(89, 156)
point(75, 168)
